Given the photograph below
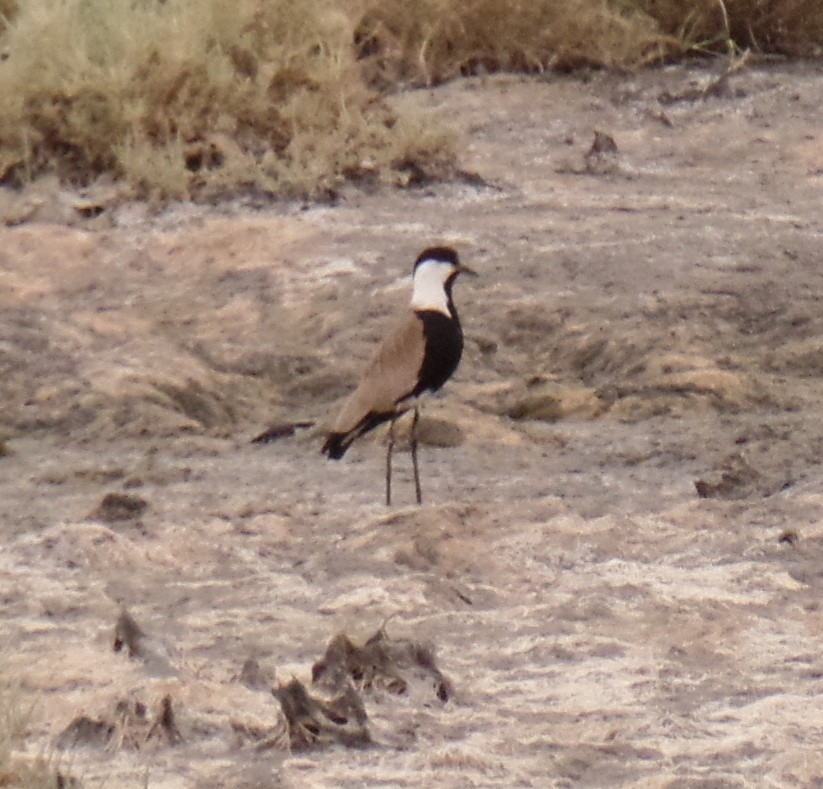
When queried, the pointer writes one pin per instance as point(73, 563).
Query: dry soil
point(619, 558)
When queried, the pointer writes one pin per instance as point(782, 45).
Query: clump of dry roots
point(331, 710)
point(347, 673)
point(128, 725)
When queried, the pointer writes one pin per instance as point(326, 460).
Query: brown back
point(390, 376)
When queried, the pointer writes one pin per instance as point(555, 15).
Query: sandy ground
point(619, 558)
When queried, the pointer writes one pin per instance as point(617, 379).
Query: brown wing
point(391, 375)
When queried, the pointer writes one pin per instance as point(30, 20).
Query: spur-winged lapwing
point(420, 355)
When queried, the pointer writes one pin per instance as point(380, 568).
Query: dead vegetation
point(349, 673)
point(16, 770)
point(182, 101)
point(129, 724)
point(432, 41)
point(315, 722)
point(382, 663)
point(331, 712)
point(170, 100)
point(785, 27)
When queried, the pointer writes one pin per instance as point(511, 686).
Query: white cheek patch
point(429, 286)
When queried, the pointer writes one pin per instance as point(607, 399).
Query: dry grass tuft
point(199, 99)
point(785, 27)
point(16, 771)
point(434, 40)
point(179, 99)
point(11, 725)
point(8, 9)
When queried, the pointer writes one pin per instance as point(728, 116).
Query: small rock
point(789, 537)
point(118, 507)
point(253, 676)
point(435, 432)
point(155, 655)
point(550, 402)
point(85, 731)
point(601, 158)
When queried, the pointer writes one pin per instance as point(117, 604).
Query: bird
point(419, 355)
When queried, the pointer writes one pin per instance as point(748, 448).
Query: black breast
point(444, 347)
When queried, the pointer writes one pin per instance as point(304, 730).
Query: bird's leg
point(389, 449)
point(417, 489)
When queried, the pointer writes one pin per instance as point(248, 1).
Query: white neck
point(429, 287)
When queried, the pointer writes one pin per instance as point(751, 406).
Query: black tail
point(280, 430)
point(336, 444)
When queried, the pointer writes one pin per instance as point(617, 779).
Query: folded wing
point(390, 377)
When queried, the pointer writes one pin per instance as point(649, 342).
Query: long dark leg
point(389, 449)
point(417, 489)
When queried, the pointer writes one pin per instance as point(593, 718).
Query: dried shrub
point(315, 722)
point(382, 662)
point(127, 725)
point(434, 40)
point(179, 99)
point(8, 10)
point(787, 27)
point(196, 100)
point(15, 769)
point(347, 673)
